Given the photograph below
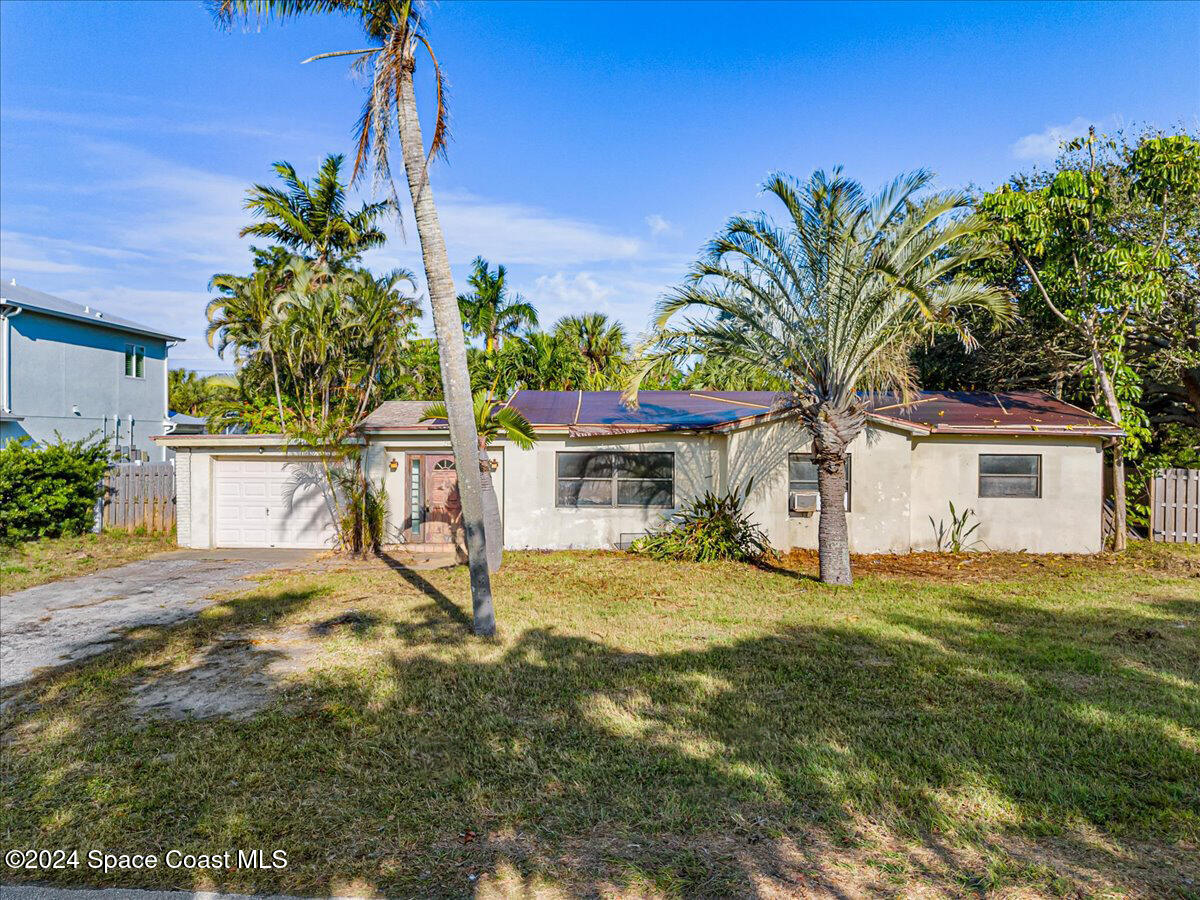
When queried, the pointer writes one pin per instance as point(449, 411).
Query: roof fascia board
point(91, 320)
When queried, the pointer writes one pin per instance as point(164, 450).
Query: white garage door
point(270, 503)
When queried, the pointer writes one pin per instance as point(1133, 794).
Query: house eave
point(91, 320)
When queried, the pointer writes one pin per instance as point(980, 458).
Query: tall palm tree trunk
point(278, 393)
point(452, 352)
point(491, 514)
point(833, 429)
point(833, 538)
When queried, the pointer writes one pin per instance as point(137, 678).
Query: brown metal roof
point(595, 413)
point(396, 414)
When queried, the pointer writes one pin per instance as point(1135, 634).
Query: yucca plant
point(954, 537)
point(709, 528)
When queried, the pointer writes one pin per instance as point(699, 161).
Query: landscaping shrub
point(48, 490)
point(707, 529)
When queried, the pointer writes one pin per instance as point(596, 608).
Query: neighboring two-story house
point(78, 371)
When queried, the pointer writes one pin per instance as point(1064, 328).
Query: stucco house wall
point(533, 521)
point(898, 481)
point(880, 476)
point(381, 451)
point(65, 373)
point(1066, 518)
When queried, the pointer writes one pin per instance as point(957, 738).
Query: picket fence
point(1175, 506)
point(139, 495)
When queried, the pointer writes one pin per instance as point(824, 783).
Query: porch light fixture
point(393, 464)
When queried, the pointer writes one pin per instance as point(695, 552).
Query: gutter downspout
point(8, 312)
point(167, 345)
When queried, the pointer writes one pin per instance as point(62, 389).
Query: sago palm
point(489, 312)
point(394, 31)
point(312, 218)
point(829, 301)
point(493, 420)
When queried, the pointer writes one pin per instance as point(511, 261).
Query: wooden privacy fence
point(139, 496)
point(1175, 506)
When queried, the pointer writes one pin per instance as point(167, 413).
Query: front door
point(441, 520)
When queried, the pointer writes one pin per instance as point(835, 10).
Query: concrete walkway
point(66, 621)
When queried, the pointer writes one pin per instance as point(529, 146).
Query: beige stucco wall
point(898, 482)
point(532, 521)
point(1065, 519)
point(194, 471)
point(879, 490)
point(383, 449)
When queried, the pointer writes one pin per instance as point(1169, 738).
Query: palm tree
point(243, 317)
point(488, 312)
point(601, 342)
point(541, 361)
point(394, 31)
point(312, 218)
point(493, 420)
point(830, 303)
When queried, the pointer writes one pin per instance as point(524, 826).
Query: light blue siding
point(69, 377)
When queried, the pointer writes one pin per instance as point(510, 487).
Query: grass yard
point(51, 559)
point(1008, 725)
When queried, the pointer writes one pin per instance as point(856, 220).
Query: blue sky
point(595, 146)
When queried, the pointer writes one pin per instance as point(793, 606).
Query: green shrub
point(48, 490)
point(707, 529)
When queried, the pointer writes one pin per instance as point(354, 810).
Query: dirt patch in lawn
point(975, 567)
point(238, 674)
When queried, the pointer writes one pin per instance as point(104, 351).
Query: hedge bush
point(48, 490)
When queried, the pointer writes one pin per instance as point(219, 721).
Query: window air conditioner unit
point(802, 501)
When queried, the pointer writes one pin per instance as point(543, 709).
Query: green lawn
point(988, 724)
point(50, 559)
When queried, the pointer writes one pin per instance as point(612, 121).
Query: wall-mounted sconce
point(393, 464)
point(75, 408)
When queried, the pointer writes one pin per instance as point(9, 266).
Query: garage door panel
point(269, 503)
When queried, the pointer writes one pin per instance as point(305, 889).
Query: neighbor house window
point(616, 479)
point(1010, 475)
point(802, 477)
point(135, 361)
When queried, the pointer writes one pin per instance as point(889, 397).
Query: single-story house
point(601, 473)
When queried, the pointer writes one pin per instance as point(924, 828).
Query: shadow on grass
point(760, 765)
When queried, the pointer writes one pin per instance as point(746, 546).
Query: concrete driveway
point(65, 621)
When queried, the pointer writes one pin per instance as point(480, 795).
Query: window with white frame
point(802, 479)
point(135, 361)
point(608, 478)
point(1010, 475)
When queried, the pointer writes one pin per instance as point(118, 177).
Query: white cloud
point(1045, 144)
point(658, 225)
point(513, 233)
point(580, 292)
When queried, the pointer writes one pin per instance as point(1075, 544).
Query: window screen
point(135, 361)
point(616, 479)
point(1010, 475)
point(802, 475)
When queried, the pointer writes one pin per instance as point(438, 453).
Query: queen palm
point(829, 302)
point(394, 32)
point(493, 420)
point(489, 312)
point(312, 218)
